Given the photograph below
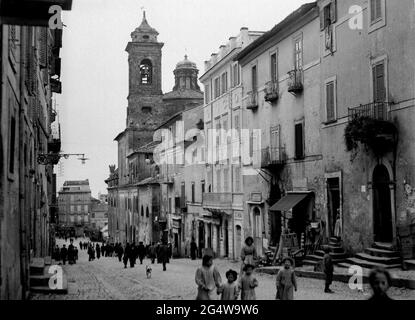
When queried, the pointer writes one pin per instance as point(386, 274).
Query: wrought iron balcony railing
point(217, 200)
point(251, 100)
point(272, 156)
point(375, 110)
point(295, 83)
point(271, 91)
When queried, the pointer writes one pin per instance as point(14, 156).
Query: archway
point(382, 205)
point(238, 241)
point(257, 229)
point(146, 71)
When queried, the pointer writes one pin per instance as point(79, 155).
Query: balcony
point(251, 101)
point(272, 157)
point(375, 111)
point(295, 83)
point(217, 200)
point(271, 91)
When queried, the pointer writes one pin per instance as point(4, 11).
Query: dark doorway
point(274, 216)
point(226, 239)
point(201, 238)
point(382, 207)
point(301, 214)
point(333, 202)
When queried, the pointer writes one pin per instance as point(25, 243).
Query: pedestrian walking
point(230, 290)
point(158, 252)
point(64, 254)
point(286, 282)
point(380, 281)
point(248, 283)
point(71, 253)
point(193, 249)
point(163, 255)
point(91, 252)
point(98, 250)
point(80, 245)
point(207, 279)
point(141, 250)
point(328, 269)
point(120, 252)
point(152, 253)
point(133, 255)
point(248, 253)
point(103, 247)
point(56, 254)
point(126, 254)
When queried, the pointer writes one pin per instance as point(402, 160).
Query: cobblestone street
point(106, 279)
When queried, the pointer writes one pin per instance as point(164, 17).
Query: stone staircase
point(409, 264)
point(379, 255)
point(336, 252)
point(39, 277)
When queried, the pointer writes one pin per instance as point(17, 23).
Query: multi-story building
point(75, 205)
point(30, 73)
point(99, 214)
point(147, 109)
point(222, 228)
point(281, 106)
point(368, 99)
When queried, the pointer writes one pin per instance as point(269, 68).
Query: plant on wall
point(374, 135)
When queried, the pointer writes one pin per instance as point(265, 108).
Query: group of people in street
point(161, 251)
point(64, 254)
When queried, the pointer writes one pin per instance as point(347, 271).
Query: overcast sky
point(92, 107)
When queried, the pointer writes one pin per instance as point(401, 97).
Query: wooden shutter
point(299, 138)
point(322, 20)
point(330, 101)
point(43, 47)
point(333, 11)
point(375, 10)
point(256, 141)
point(275, 143)
point(379, 89)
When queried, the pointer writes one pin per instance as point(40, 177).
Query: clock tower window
point(146, 71)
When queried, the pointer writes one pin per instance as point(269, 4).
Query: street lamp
point(53, 158)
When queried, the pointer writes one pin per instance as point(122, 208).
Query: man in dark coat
point(164, 255)
point(91, 253)
point(80, 245)
point(127, 253)
point(71, 253)
point(328, 270)
point(133, 255)
point(152, 252)
point(120, 252)
point(103, 248)
point(193, 249)
point(98, 250)
point(141, 250)
point(64, 254)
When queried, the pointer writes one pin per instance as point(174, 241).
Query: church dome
point(144, 33)
point(186, 64)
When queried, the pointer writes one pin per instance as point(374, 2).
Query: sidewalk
point(400, 278)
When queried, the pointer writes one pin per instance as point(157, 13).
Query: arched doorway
point(201, 238)
point(226, 239)
point(382, 205)
point(257, 229)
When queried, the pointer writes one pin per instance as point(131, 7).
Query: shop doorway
point(238, 241)
point(333, 203)
point(382, 205)
point(226, 239)
point(201, 233)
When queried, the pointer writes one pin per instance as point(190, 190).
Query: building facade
point(30, 71)
point(99, 214)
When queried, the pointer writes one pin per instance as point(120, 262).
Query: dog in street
point(148, 271)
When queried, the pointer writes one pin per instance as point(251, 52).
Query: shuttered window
point(330, 101)
point(375, 10)
point(299, 141)
point(274, 67)
point(43, 47)
point(379, 89)
point(328, 15)
point(254, 78)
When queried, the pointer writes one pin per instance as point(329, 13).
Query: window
point(375, 10)
point(72, 219)
point(12, 141)
point(299, 141)
point(273, 66)
point(235, 75)
point(207, 93)
point(217, 87)
point(254, 78)
point(142, 211)
point(237, 177)
point(146, 109)
point(379, 88)
point(224, 82)
point(72, 208)
point(193, 192)
point(147, 213)
point(226, 180)
point(203, 186)
point(298, 54)
point(146, 71)
point(331, 100)
point(328, 15)
point(218, 184)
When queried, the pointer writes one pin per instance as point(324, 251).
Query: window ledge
point(327, 123)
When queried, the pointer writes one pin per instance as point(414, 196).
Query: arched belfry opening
point(146, 72)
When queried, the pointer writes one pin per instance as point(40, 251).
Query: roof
point(290, 19)
point(186, 64)
point(183, 94)
point(76, 182)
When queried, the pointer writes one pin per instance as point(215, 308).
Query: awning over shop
point(289, 201)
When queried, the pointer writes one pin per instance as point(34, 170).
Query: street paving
point(106, 279)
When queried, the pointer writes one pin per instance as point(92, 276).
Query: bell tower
point(144, 62)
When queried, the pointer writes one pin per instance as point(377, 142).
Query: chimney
point(232, 43)
point(222, 51)
point(244, 36)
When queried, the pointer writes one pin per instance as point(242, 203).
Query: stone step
point(43, 287)
point(369, 264)
point(333, 239)
point(383, 260)
point(309, 262)
point(336, 249)
point(313, 257)
point(335, 244)
point(383, 246)
point(382, 253)
point(409, 264)
point(37, 266)
point(334, 255)
point(39, 280)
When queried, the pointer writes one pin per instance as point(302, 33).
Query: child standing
point(286, 281)
point(207, 278)
point(328, 269)
point(248, 283)
point(230, 290)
